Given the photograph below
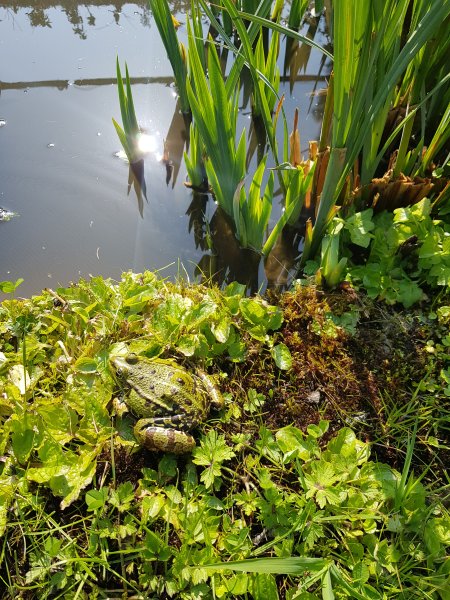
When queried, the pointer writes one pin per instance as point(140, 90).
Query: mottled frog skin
point(168, 399)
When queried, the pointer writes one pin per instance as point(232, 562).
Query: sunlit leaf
point(282, 356)
point(19, 377)
point(8, 287)
point(221, 329)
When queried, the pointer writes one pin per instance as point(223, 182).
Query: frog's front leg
point(158, 434)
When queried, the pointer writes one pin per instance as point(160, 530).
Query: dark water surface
point(78, 214)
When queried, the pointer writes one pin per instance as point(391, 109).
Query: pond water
point(78, 212)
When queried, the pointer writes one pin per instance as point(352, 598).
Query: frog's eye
point(131, 358)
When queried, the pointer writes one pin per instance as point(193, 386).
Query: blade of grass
point(262, 21)
point(290, 565)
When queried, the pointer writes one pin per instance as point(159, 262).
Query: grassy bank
point(323, 476)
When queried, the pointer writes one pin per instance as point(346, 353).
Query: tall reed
point(214, 105)
point(176, 52)
point(369, 61)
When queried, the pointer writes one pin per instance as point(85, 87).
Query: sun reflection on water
point(147, 143)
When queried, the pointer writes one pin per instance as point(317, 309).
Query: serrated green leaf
point(361, 572)
point(96, 499)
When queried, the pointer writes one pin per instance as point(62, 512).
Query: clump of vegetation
point(385, 128)
point(397, 256)
point(281, 497)
point(55, 353)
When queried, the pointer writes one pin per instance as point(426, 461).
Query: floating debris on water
point(121, 154)
point(6, 215)
point(51, 145)
point(2, 122)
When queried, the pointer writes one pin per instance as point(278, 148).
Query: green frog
point(168, 399)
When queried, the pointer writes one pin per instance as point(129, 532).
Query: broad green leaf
point(95, 426)
point(361, 572)
point(264, 587)
point(292, 443)
point(8, 486)
point(82, 312)
point(234, 289)
point(317, 431)
point(360, 225)
point(58, 419)
point(152, 506)
point(282, 356)
point(253, 311)
point(221, 329)
point(200, 314)
point(26, 435)
point(69, 485)
point(19, 377)
point(343, 443)
point(65, 472)
point(188, 344)
point(237, 351)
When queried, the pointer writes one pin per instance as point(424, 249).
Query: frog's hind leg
point(178, 421)
point(158, 434)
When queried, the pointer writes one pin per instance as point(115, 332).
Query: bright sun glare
point(147, 143)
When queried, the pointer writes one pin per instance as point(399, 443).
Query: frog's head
point(124, 366)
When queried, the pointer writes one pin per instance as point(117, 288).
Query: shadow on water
point(228, 261)
point(225, 261)
point(176, 142)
